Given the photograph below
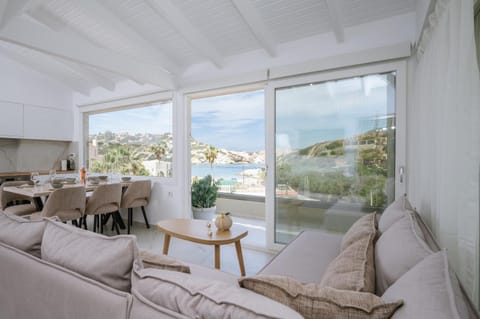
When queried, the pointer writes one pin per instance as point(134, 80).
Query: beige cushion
point(397, 250)
point(21, 210)
point(151, 260)
point(21, 233)
point(313, 301)
point(362, 227)
point(105, 259)
point(429, 290)
point(196, 297)
point(392, 213)
point(353, 269)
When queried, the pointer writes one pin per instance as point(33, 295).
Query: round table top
point(196, 230)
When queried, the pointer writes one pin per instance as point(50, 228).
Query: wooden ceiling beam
point(257, 26)
point(335, 20)
point(68, 46)
point(189, 32)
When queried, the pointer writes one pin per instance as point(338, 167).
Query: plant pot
point(204, 213)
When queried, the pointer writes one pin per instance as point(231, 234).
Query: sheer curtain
point(443, 138)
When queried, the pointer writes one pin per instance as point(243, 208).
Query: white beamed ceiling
point(156, 41)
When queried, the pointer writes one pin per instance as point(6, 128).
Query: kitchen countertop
point(41, 172)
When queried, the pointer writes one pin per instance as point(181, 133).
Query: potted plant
point(204, 196)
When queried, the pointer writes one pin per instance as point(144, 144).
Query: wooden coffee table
point(196, 231)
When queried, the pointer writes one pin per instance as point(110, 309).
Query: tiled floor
point(253, 246)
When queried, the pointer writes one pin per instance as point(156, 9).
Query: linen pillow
point(105, 259)
point(397, 250)
point(428, 290)
point(196, 297)
point(21, 233)
point(151, 260)
point(353, 269)
point(313, 301)
point(364, 226)
point(392, 213)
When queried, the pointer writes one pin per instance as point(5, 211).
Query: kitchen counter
point(27, 174)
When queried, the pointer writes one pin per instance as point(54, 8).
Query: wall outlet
point(170, 194)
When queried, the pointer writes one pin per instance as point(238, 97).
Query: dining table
point(36, 192)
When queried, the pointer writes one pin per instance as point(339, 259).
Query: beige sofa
point(84, 275)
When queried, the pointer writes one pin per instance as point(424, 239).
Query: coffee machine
point(71, 161)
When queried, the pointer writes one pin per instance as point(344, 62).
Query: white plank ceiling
point(97, 43)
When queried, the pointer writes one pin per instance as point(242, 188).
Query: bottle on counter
point(83, 176)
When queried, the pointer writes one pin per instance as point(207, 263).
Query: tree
point(158, 151)
point(122, 159)
point(211, 154)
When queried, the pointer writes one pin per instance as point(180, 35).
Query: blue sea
point(227, 172)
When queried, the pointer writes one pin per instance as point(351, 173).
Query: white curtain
point(443, 138)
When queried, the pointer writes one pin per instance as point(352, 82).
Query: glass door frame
point(400, 67)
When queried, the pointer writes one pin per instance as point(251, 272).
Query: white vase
point(204, 213)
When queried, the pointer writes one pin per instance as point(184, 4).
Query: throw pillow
point(151, 260)
point(362, 227)
point(105, 259)
point(397, 250)
point(430, 290)
point(196, 297)
point(392, 213)
point(353, 269)
point(313, 301)
point(21, 233)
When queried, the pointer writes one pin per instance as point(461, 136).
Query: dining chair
point(104, 200)
point(137, 195)
point(15, 203)
point(66, 203)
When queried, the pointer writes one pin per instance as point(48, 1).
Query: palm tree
point(211, 154)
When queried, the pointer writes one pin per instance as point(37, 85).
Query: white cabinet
point(11, 119)
point(47, 123)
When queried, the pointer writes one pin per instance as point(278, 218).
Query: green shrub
point(204, 192)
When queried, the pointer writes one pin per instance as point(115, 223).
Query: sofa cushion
point(362, 227)
point(429, 290)
point(106, 259)
point(314, 260)
point(21, 233)
point(196, 297)
point(313, 301)
point(152, 260)
point(397, 250)
point(35, 288)
point(392, 213)
point(353, 269)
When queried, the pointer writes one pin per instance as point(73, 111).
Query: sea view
point(227, 172)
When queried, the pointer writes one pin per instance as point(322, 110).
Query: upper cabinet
point(35, 122)
point(47, 123)
point(11, 120)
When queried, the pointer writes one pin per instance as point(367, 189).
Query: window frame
point(400, 67)
point(132, 103)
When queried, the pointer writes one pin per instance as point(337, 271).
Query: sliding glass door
point(334, 156)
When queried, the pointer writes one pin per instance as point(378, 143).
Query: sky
point(155, 119)
point(305, 115)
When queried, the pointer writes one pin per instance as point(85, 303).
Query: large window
point(131, 141)
point(228, 141)
point(334, 152)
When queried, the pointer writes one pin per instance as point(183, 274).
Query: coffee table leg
point(217, 256)
point(166, 244)
point(238, 247)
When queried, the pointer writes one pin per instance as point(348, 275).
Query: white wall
point(24, 86)
point(20, 84)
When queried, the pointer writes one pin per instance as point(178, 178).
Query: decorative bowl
point(70, 180)
point(126, 178)
point(57, 185)
point(94, 182)
point(103, 177)
point(58, 180)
